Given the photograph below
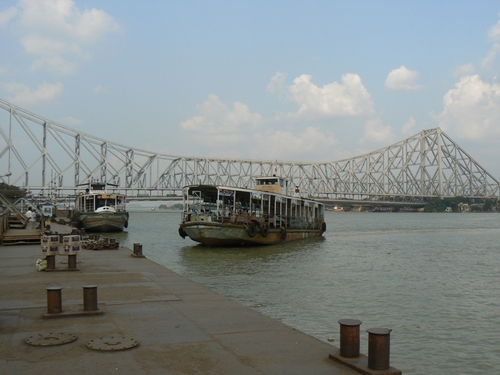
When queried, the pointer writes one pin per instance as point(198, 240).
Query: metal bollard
point(138, 249)
point(90, 298)
point(349, 337)
point(378, 348)
point(51, 262)
point(54, 301)
point(72, 261)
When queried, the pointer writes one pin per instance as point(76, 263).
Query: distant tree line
point(176, 206)
point(11, 191)
point(477, 205)
point(4, 186)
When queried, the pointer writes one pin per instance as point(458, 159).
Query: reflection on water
point(432, 278)
point(210, 261)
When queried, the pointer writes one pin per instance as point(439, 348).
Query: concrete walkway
point(181, 327)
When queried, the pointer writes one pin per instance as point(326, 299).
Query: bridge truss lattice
point(48, 158)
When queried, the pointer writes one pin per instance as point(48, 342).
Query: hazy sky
point(305, 81)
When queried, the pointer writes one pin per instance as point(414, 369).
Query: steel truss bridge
point(50, 159)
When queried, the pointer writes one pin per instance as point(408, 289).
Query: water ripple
point(432, 278)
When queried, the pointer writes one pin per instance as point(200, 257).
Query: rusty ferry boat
point(270, 213)
point(97, 210)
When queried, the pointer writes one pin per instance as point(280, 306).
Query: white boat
point(97, 210)
point(270, 213)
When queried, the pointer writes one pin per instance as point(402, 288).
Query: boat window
point(267, 181)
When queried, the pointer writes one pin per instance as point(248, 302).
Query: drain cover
point(50, 339)
point(112, 343)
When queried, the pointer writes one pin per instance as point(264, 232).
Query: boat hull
point(103, 222)
point(218, 234)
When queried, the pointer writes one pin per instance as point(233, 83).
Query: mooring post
point(378, 348)
point(54, 300)
point(137, 249)
point(90, 298)
point(349, 337)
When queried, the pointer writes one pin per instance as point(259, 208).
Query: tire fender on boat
point(182, 233)
point(251, 230)
point(264, 231)
point(283, 233)
point(323, 226)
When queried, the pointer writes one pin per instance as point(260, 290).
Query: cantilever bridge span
point(50, 159)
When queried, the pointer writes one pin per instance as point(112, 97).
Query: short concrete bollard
point(90, 298)
point(54, 300)
point(349, 337)
point(138, 250)
point(378, 348)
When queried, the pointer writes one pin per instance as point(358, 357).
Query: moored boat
point(96, 210)
point(270, 213)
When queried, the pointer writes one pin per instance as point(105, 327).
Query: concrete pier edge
point(360, 364)
point(182, 327)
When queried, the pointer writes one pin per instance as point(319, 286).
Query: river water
point(434, 279)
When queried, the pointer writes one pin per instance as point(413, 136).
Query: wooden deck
point(20, 236)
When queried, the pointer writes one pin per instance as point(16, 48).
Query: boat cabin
point(272, 184)
point(97, 197)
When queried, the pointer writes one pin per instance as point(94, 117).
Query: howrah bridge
point(48, 159)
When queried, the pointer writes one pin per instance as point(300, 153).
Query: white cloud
point(216, 119)
point(471, 109)
point(376, 132)
point(409, 126)
point(56, 31)
point(236, 132)
point(54, 64)
point(63, 16)
point(100, 90)
point(39, 45)
point(311, 144)
point(402, 79)
point(494, 32)
point(7, 15)
point(72, 122)
point(276, 83)
point(23, 95)
point(464, 70)
point(494, 35)
point(490, 58)
point(348, 98)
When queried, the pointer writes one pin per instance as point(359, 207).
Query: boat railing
point(240, 217)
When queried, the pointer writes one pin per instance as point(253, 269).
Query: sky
point(303, 81)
